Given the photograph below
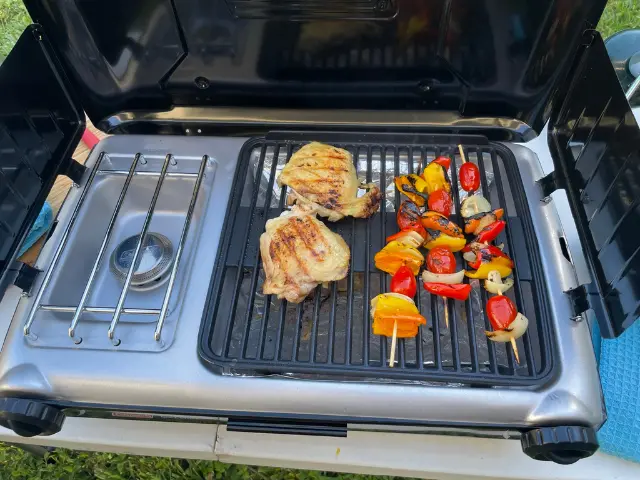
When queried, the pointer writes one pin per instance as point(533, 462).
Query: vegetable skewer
point(488, 261)
point(439, 278)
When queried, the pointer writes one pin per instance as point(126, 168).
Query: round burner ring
point(156, 259)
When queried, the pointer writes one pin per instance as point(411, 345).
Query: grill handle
point(562, 445)
point(29, 418)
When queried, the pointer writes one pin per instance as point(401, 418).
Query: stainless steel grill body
point(48, 363)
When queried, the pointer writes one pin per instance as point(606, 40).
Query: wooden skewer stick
point(446, 312)
point(394, 340)
point(515, 350)
point(464, 159)
point(514, 345)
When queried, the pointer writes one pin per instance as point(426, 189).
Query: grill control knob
point(563, 445)
point(29, 418)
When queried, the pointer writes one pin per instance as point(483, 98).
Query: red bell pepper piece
point(404, 282)
point(491, 231)
point(501, 312)
point(459, 291)
point(440, 201)
point(486, 253)
point(444, 161)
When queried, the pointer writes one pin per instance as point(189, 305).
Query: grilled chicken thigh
point(299, 252)
point(324, 177)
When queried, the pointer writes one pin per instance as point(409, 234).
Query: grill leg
point(35, 450)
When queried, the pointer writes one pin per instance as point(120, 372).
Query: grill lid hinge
point(25, 277)
point(74, 171)
point(554, 181)
point(579, 300)
point(549, 184)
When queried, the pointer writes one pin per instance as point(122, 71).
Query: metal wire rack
point(117, 311)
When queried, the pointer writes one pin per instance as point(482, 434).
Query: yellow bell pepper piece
point(455, 244)
point(435, 178)
point(485, 268)
point(396, 254)
point(389, 309)
point(412, 186)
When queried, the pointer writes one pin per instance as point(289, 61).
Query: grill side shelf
point(328, 335)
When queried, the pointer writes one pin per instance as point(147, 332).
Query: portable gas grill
point(146, 302)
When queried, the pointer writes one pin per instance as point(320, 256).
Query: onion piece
point(485, 221)
point(412, 238)
point(469, 256)
point(495, 285)
point(448, 278)
point(474, 204)
point(374, 300)
point(515, 330)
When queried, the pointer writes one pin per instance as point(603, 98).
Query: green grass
point(619, 15)
point(63, 464)
point(13, 20)
point(67, 465)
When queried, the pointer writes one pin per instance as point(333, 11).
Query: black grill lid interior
point(482, 58)
point(595, 143)
point(40, 126)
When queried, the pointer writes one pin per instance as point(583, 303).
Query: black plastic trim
point(74, 171)
point(288, 427)
point(25, 277)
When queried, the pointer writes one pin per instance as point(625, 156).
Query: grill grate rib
point(329, 334)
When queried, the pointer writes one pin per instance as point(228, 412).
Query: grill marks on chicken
point(324, 177)
point(299, 252)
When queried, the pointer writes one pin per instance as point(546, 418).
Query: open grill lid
point(595, 145)
point(529, 60)
point(40, 126)
point(481, 58)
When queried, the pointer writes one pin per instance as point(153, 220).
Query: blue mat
point(620, 376)
point(39, 227)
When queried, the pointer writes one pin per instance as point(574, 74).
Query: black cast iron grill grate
point(329, 334)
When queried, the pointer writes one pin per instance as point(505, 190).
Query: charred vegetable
point(491, 231)
point(476, 223)
point(435, 176)
point(458, 291)
point(440, 239)
point(414, 187)
point(408, 214)
point(440, 201)
point(396, 254)
point(440, 223)
point(441, 260)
